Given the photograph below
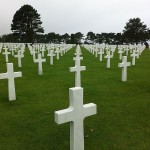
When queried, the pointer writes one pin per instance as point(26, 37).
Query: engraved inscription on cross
point(10, 75)
point(75, 114)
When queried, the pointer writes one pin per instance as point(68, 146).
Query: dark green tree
point(8, 38)
point(135, 31)
point(66, 38)
point(40, 38)
point(73, 41)
point(57, 38)
point(26, 24)
point(98, 38)
point(78, 37)
point(119, 38)
point(91, 37)
point(105, 38)
point(52, 37)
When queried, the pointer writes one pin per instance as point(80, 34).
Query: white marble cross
point(120, 53)
point(101, 55)
point(57, 53)
point(33, 54)
point(133, 55)
point(96, 52)
point(77, 69)
point(124, 66)
point(19, 56)
point(51, 55)
point(127, 51)
point(10, 75)
point(48, 50)
point(108, 56)
point(78, 51)
point(6, 53)
point(43, 50)
point(12, 51)
point(138, 53)
point(93, 50)
point(75, 114)
point(61, 52)
point(40, 61)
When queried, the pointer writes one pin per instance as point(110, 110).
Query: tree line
point(26, 28)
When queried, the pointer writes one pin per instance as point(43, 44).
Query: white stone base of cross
point(75, 114)
point(10, 75)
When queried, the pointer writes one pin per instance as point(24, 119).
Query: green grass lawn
point(122, 121)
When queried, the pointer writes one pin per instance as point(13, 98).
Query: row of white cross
point(110, 53)
point(11, 75)
point(33, 50)
point(12, 51)
point(12, 48)
point(51, 54)
point(75, 113)
point(135, 51)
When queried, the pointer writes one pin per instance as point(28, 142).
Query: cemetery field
point(122, 121)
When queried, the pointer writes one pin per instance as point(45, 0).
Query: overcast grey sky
point(71, 16)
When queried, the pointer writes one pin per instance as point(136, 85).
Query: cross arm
point(44, 60)
point(128, 63)
point(18, 74)
point(75, 58)
point(3, 76)
point(120, 65)
point(89, 109)
point(35, 60)
point(83, 68)
point(72, 69)
point(63, 116)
